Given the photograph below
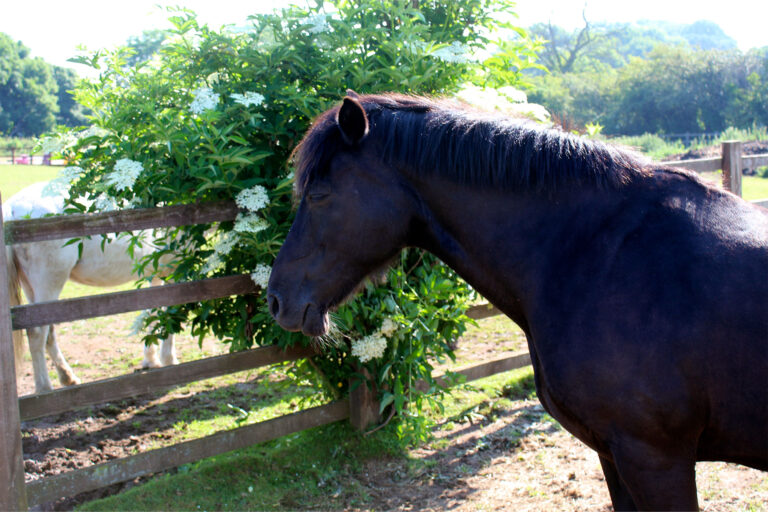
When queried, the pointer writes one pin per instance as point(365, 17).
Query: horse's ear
point(352, 120)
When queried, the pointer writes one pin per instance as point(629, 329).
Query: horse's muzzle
point(309, 319)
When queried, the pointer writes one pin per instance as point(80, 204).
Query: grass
point(15, 177)
point(321, 468)
point(754, 188)
point(658, 148)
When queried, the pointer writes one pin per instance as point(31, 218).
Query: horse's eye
point(317, 196)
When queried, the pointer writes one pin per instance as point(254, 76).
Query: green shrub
point(651, 145)
point(215, 115)
point(8, 143)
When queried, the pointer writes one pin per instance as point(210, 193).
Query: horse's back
point(32, 202)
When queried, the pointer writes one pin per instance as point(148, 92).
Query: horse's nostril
point(274, 305)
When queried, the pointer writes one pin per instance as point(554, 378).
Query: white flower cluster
point(105, 203)
point(260, 275)
point(370, 347)
point(417, 47)
point(388, 327)
point(319, 23)
point(249, 98)
point(252, 199)
point(249, 223)
point(456, 52)
point(124, 174)
point(137, 327)
point(57, 143)
point(61, 183)
point(222, 247)
point(204, 99)
point(93, 131)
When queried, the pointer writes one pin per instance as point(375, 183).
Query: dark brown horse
point(643, 291)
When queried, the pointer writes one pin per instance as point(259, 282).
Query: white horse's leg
point(67, 376)
point(45, 267)
point(36, 337)
point(151, 359)
point(168, 351)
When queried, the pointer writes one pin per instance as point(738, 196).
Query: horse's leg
point(620, 496)
point(657, 479)
point(168, 351)
point(151, 360)
point(45, 267)
point(67, 376)
point(36, 337)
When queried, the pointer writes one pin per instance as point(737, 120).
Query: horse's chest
point(566, 412)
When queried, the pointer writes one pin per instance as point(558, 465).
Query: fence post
point(12, 492)
point(363, 406)
point(732, 166)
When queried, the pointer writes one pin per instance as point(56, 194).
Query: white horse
point(42, 268)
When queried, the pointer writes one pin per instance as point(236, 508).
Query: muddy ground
point(512, 459)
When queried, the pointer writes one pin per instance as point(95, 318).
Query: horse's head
point(353, 218)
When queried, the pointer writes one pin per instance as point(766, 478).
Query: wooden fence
point(731, 162)
point(21, 156)
point(360, 408)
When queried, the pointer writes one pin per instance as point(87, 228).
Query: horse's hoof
point(70, 380)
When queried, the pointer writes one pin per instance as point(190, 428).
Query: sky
point(53, 29)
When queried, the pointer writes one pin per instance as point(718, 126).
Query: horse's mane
point(472, 147)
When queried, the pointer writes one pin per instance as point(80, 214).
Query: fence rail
point(68, 310)
point(161, 459)
point(731, 162)
point(23, 156)
point(359, 409)
point(152, 381)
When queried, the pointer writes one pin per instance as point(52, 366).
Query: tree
point(707, 35)
point(579, 50)
point(145, 46)
point(684, 90)
point(71, 113)
point(28, 102)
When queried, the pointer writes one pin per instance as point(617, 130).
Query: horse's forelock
point(312, 154)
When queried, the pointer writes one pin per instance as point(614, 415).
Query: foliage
point(27, 91)
point(17, 143)
point(598, 46)
point(70, 112)
point(34, 95)
point(216, 117)
point(672, 90)
point(650, 145)
point(145, 46)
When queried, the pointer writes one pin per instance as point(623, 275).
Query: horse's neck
point(502, 244)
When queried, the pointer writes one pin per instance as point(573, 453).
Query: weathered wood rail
point(731, 162)
point(16, 495)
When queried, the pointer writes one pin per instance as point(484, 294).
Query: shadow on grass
point(330, 467)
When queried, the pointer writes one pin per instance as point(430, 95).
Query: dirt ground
point(516, 460)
